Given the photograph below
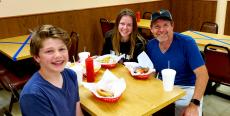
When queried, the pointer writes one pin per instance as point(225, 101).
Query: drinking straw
point(157, 77)
point(84, 48)
point(168, 64)
point(74, 60)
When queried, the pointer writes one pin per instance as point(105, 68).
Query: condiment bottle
point(89, 69)
point(138, 16)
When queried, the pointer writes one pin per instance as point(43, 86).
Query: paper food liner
point(144, 60)
point(131, 66)
point(108, 82)
point(113, 59)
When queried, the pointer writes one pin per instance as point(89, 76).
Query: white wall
point(221, 15)
point(9, 8)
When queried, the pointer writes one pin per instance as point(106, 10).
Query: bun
point(104, 93)
point(141, 70)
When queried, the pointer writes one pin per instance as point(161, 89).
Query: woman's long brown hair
point(117, 36)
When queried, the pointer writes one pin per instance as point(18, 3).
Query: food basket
point(108, 60)
point(109, 100)
point(132, 66)
point(110, 83)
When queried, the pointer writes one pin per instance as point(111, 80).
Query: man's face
point(162, 30)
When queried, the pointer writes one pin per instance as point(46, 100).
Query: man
point(184, 57)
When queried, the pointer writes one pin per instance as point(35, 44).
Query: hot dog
point(105, 93)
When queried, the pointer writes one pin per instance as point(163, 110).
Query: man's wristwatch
point(195, 101)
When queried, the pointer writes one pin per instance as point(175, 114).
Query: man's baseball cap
point(161, 14)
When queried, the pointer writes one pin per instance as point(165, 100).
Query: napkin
point(144, 60)
point(108, 82)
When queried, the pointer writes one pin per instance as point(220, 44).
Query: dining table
point(143, 23)
point(140, 98)
point(204, 38)
point(16, 48)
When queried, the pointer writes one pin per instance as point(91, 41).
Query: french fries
point(107, 59)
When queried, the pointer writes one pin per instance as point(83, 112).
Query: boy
point(52, 90)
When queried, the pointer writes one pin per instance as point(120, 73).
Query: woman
point(124, 38)
point(52, 90)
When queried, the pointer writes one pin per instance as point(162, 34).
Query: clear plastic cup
point(168, 77)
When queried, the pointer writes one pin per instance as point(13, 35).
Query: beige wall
point(9, 8)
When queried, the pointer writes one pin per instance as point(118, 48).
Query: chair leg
point(5, 112)
point(214, 87)
point(208, 88)
point(12, 101)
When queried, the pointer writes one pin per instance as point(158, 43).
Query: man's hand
point(191, 110)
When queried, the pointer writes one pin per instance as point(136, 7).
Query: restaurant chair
point(4, 112)
point(209, 27)
point(217, 59)
point(73, 50)
point(1, 87)
point(106, 25)
point(12, 83)
point(146, 33)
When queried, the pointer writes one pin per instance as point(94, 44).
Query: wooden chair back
point(106, 25)
point(73, 50)
point(209, 27)
point(217, 60)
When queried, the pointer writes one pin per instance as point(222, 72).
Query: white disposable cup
point(79, 72)
point(78, 69)
point(168, 76)
point(83, 55)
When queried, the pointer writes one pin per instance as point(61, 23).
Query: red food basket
point(142, 77)
point(108, 65)
point(109, 100)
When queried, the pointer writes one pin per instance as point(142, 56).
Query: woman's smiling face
point(125, 27)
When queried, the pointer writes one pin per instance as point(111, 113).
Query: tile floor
point(213, 105)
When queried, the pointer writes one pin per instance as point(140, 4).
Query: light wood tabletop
point(204, 38)
point(144, 23)
point(141, 97)
point(16, 48)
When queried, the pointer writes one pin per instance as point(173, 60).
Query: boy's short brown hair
point(45, 32)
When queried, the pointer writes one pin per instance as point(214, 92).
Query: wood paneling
point(189, 14)
point(84, 22)
point(227, 21)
